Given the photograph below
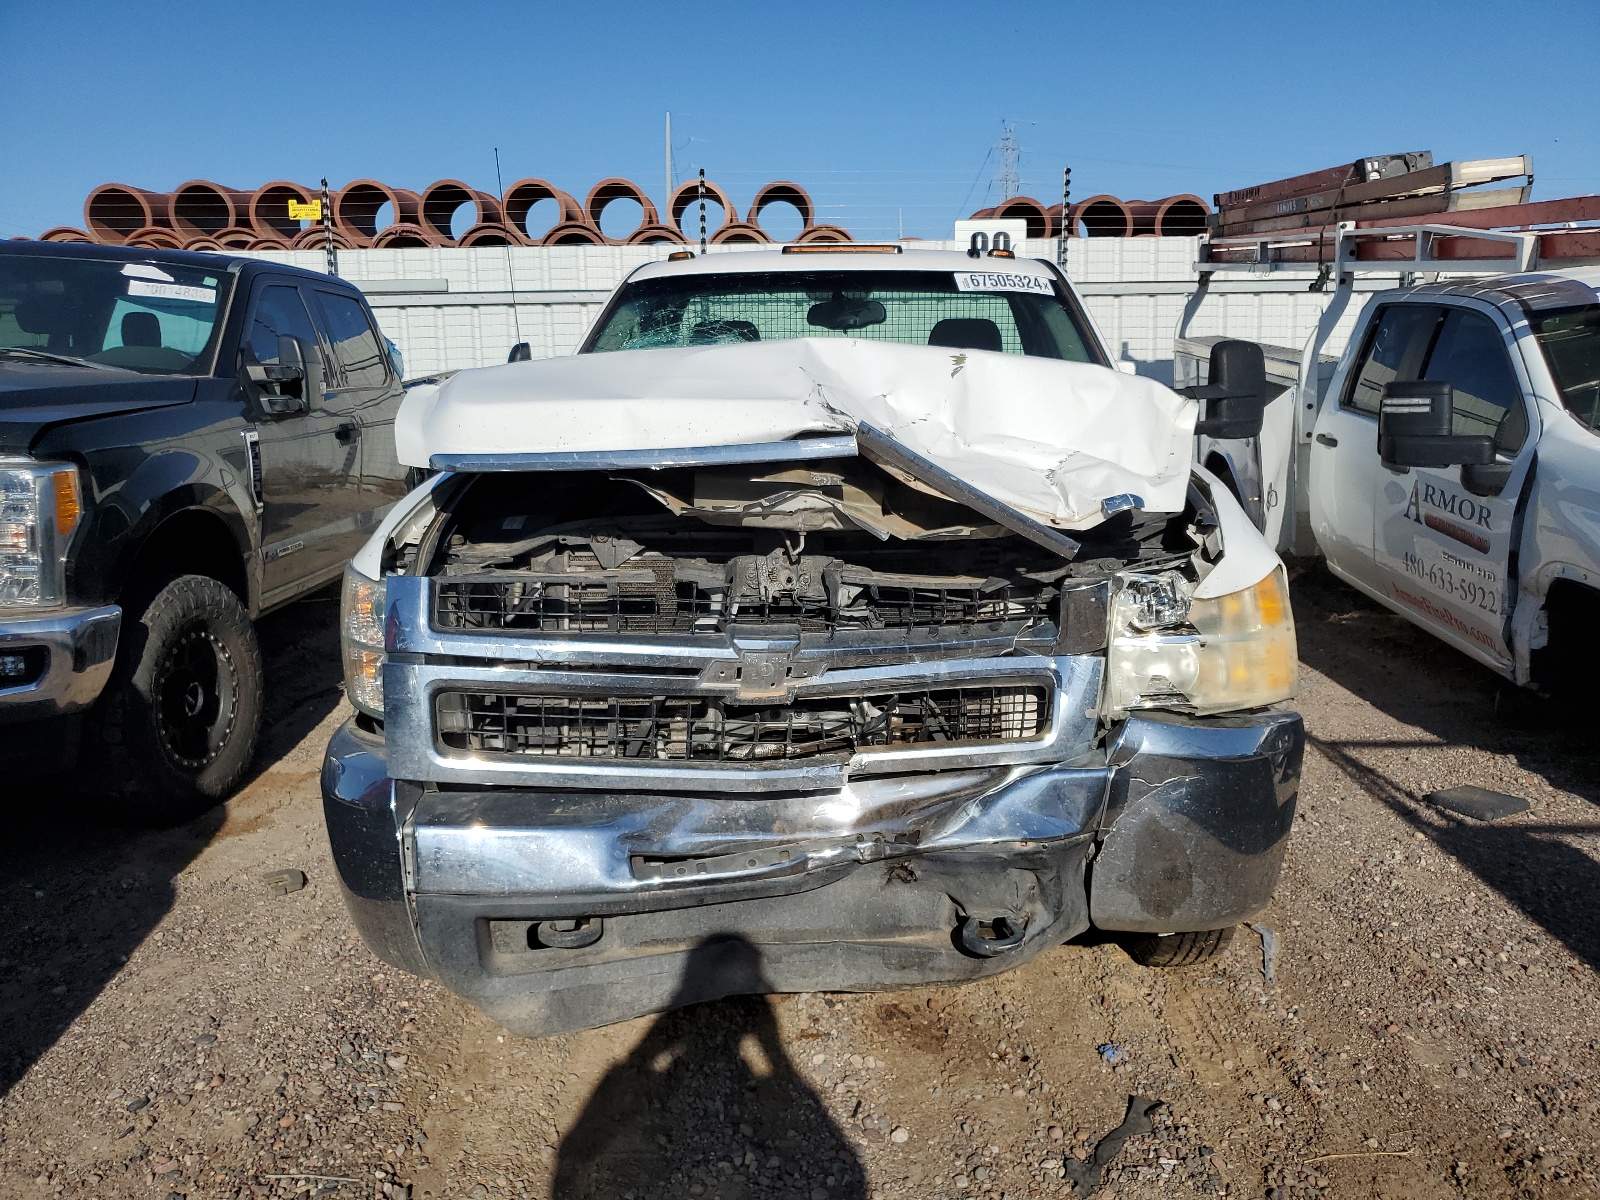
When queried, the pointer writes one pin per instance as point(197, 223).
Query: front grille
point(532, 605)
point(707, 729)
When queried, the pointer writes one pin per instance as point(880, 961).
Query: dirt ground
point(168, 1028)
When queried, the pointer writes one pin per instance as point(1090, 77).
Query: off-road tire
point(176, 728)
point(1178, 949)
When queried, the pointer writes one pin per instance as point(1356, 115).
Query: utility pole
point(668, 192)
point(1007, 180)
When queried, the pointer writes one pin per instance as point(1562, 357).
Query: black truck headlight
point(361, 641)
point(1169, 649)
point(40, 507)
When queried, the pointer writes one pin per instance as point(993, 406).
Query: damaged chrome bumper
point(570, 904)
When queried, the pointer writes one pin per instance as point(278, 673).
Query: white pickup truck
point(1447, 462)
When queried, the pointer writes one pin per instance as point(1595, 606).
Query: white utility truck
point(1445, 459)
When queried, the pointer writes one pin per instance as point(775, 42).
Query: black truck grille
point(531, 606)
point(705, 729)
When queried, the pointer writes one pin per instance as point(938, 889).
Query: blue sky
point(884, 112)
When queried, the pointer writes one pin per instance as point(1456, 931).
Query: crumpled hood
point(1050, 438)
point(34, 396)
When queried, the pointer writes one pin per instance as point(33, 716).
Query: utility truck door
point(1443, 534)
point(1344, 466)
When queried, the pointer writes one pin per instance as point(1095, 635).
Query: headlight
point(1170, 650)
point(361, 640)
point(40, 506)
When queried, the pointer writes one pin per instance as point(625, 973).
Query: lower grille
point(706, 729)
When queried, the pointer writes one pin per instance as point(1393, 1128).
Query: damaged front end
point(815, 694)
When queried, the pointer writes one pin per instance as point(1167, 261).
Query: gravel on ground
point(173, 1024)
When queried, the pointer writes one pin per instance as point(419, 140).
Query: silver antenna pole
point(511, 275)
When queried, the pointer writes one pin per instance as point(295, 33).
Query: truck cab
point(1446, 462)
point(187, 441)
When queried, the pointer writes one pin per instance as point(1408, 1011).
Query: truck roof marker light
point(844, 248)
point(1002, 254)
point(680, 255)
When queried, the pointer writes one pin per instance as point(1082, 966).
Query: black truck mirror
point(280, 387)
point(1414, 429)
point(1235, 393)
point(521, 352)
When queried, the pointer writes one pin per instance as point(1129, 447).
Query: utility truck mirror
point(1414, 429)
point(1235, 393)
point(521, 352)
point(845, 313)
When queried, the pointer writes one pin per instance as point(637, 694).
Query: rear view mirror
point(845, 313)
point(1414, 429)
point(1235, 392)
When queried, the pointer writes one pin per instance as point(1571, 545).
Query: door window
point(1470, 356)
point(361, 355)
point(1394, 351)
point(280, 312)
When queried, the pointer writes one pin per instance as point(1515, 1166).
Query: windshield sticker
point(172, 291)
point(146, 271)
point(1002, 281)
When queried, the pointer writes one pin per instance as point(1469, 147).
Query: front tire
point(176, 729)
point(1178, 949)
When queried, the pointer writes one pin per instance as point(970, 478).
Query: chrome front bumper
point(65, 658)
point(1171, 824)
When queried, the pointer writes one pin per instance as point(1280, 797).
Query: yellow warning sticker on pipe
point(309, 211)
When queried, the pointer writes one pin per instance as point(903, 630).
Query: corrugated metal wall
point(448, 307)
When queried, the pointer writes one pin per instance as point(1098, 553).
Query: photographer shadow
point(708, 1097)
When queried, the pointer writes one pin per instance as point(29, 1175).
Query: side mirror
point(280, 387)
point(1236, 394)
point(521, 352)
point(1414, 424)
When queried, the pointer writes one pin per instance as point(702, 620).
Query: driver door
point(304, 461)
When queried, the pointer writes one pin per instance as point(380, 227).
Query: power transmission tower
point(1007, 151)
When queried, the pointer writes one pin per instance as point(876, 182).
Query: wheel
point(1178, 949)
point(176, 729)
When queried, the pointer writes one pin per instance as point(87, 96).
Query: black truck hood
point(35, 396)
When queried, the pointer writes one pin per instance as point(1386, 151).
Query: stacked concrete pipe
point(204, 215)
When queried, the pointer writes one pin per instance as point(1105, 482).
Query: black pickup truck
point(186, 442)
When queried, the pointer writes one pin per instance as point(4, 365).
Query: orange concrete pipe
point(316, 237)
point(520, 198)
point(1183, 215)
point(740, 233)
point(573, 233)
point(817, 235)
point(655, 235)
point(268, 211)
point(114, 212)
point(403, 237)
point(235, 237)
point(684, 206)
point(65, 233)
point(357, 204)
point(201, 208)
point(616, 188)
point(268, 243)
point(489, 233)
point(442, 199)
point(783, 192)
point(154, 237)
point(1101, 216)
point(1027, 209)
